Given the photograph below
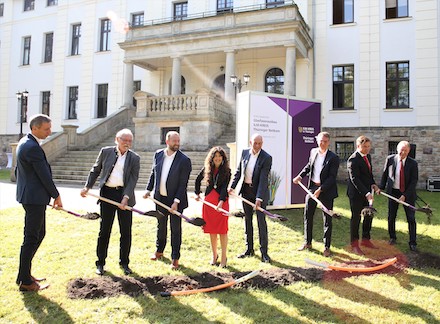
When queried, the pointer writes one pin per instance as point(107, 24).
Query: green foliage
point(68, 252)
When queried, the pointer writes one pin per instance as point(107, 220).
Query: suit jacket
point(411, 173)
point(260, 176)
point(328, 173)
point(34, 175)
point(104, 166)
point(177, 180)
point(222, 186)
point(360, 177)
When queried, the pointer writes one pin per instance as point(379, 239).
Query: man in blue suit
point(322, 169)
point(35, 188)
point(169, 179)
point(254, 166)
point(399, 178)
point(118, 167)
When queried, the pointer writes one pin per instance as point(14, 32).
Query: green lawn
point(5, 174)
point(68, 252)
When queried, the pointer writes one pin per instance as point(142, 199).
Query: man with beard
point(169, 179)
point(119, 169)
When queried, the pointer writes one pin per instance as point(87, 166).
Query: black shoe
point(392, 241)
point(413, 247)
point(265, 258)
point(99, 270)
point(246, 254)
point(127, 270)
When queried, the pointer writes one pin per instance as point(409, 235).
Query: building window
point(343, 87)
point(48, 48)
point(224, 6)
point(45, 102)
point(76, 34)
point(180, 10)
point(2, 9)
point(137, 19)
point(343, 12)
point(274, 81)
point(104, 44)
point(392, 149)
point(136, 87)
point(344, 150)
point(26, 51)
point(29, 5)
point(396, 9)
point(274, 3)
point(102, 101)
point(52, 3)
point(73, 101)
point(397, 86)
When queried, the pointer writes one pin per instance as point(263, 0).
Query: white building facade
point(373, 64)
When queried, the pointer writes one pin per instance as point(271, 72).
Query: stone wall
point(426, 139)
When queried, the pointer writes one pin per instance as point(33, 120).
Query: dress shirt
point(250, 167)
point(116, 178)
point(396, 184)
point(166, 166)
point(318, 164)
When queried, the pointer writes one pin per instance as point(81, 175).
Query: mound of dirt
point(107, 286)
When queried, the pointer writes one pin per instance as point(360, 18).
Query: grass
point(5, 174)
point(68, 252)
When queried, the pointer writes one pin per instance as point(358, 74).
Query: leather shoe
point(37, 279)
point(127, 270)
point(32, 287)
point(305, 247)
point(327, 252)
point(265, 258)
point(99, 270)
point(392, 241)
point(357, 250)
point(367, 243)
point(175, 264)
point(246, 254)
point(413, 247)
point(156, 255)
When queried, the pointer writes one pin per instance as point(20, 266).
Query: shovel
point(320, 204)
point(195, 221)
point(269, 214)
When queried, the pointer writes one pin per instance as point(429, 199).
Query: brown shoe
point(32, 287)
point(305, 247)
point(156, 255)
point(357, 250)
point(367, 243)
point(327, 252)
point(175, 264)
point(37, 279)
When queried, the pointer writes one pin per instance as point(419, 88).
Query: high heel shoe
point(214, 262)
point(223, 266)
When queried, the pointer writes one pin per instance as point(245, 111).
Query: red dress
point(216, 222)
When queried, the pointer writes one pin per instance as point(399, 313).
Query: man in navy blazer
point(169, 179)
point(322, 169)
point(35, 188)
point(399, 178)
point(360, 189)
point(254, 166)
point(118, 167)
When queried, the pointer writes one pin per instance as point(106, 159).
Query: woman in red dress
point(216, 173)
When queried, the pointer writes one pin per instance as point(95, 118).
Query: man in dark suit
point(322, 169)
point(169, 178)
point(119, 170)
point(360, 189)
point(35, 188)
point(399, 178)
point(254, 166)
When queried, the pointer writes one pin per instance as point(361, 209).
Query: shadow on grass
point(44, 310)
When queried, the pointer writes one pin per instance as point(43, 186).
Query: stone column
point(70, 130)
point(128, 84)
point(290, 77)
point(229, 70)
point(176, 76)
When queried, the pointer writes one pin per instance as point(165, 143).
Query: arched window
point(182, 85)
point(274, 82)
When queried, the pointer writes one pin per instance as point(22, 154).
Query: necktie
point(401, 177)
point(368, 163)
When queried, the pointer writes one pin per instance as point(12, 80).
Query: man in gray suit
point(35, 188)
point(254, 166)
point(169, 179)
point(119, 170)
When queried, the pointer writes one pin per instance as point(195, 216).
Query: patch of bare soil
point(107, 286)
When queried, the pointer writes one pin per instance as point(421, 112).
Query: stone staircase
point(73, 167)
